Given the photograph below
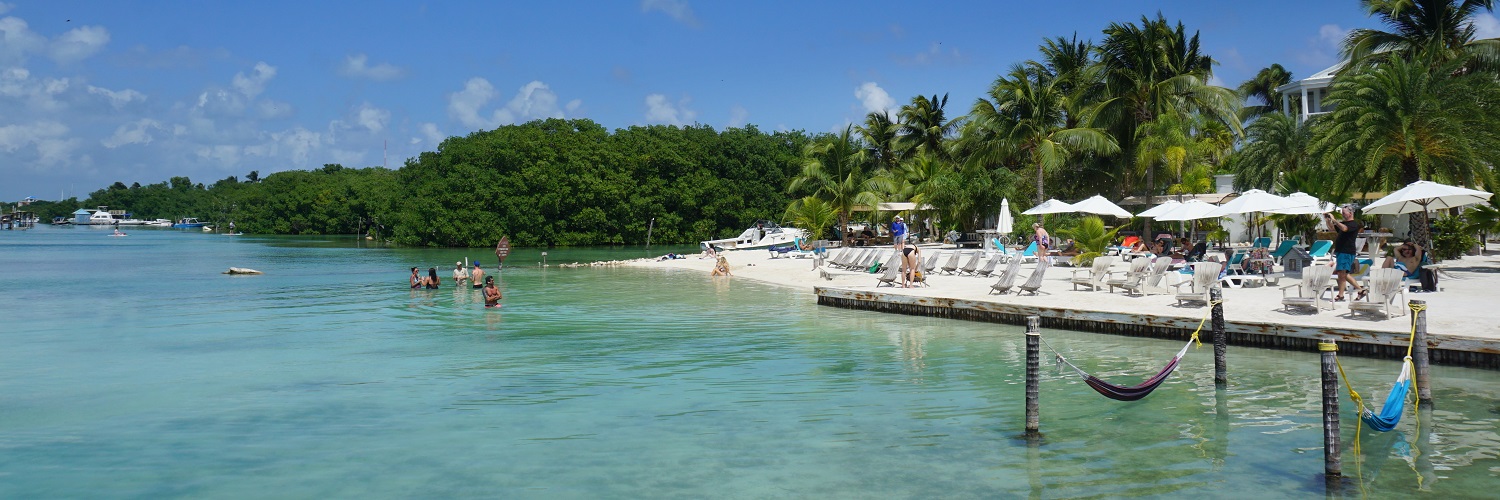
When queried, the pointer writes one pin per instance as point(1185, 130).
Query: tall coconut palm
point(834, 170)
point(813, 214)
point(1402, 121)
point(879, 134)
point(1260, 92)
point(1439, 30)
point(1274, 144)
point(1024, 115)
point(1155, 68)
point(924, 126)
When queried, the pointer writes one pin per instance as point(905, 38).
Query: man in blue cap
point(476, 277)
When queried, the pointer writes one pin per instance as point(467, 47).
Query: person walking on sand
point(1043, 241)
point(416, 279)
point(1344, 250)
point(898, 233)
point(459, 274)
point(491, 292)
point(721, 268)
point(477, 276)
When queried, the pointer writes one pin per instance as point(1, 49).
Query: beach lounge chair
point(1007, 278)
point(951, 267)
point(892, 272)
point(1385, 286)
point(846, 258)
point(1029, 254)
point(1281, 250)
point(1034, 282)
point(1321, 252)
point(838, 258)
point(1152, 281)
point(1205, 276)
point(972, 265)
point(1138, 268)
point(1261, 242)
point(989, 267)
point(1310, 291)
point(931, 263)
point(1097, 273)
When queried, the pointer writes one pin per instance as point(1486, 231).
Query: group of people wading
point(474, 276)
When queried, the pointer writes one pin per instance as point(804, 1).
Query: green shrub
point(1451, 238)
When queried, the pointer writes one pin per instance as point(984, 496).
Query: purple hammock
point(1134, 392)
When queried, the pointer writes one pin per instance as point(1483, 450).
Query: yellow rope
point(1415, 400)
point(1194, 337)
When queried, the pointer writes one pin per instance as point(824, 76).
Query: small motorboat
point(187, 223)
point(764, 235)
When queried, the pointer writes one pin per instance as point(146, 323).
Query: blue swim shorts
point(1343, 262)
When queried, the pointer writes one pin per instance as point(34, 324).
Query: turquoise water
point(129, 367)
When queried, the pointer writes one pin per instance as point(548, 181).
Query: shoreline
point(1462, 324)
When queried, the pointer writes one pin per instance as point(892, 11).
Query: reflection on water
point(157, 376)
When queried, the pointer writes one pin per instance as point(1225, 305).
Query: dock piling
point(1221, 344)
point(1419, 356)
point(1033, 355)
point(1333, 466)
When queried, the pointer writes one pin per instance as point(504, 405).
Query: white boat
point(160, 223)
point(764, 234)
point(102, 218)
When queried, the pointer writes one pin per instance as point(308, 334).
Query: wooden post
point(1419, 356)
point(1033, 354)
point(1221, 344)
point(1332, 461)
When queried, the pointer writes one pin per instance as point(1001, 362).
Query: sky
point(94, 92)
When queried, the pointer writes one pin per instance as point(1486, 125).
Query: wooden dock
point(1444, 349)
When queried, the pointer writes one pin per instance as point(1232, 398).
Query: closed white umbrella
point(1159, 209)
point(1099, 205)
point(1305, 204)
point(1425, 196)
point(1007, 222)
point(1051, 206)
point(1188, 210)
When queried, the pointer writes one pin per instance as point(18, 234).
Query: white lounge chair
point(1385, 286)
point(1138, 268)
point(1152, 281)
point(1310, 290)
point(1007, 278)
point(1205, 277)
point(1034, 282)
point(1097, 273)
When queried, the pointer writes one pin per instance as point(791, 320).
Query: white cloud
point(357, 66)
point(48, 139)
point(676, 9)
point(737, 116)
point(372, 118)
point(430, 133)
point(874, 99)
point(78, 43)
point(272, 109)
point(117, 99)
point(1486, 25)
point(1322, 50)
point(137, 132)
point(17, 41)
point(533, 101)
point(935, 53)
point(255, 83)
point(5, 7)
point(661, 110)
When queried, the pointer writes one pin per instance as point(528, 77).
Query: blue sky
point(93, 92)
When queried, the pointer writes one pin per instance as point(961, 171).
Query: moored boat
point(187, 223)
point(764, 234)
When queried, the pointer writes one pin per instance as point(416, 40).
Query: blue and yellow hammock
point(1395, 403)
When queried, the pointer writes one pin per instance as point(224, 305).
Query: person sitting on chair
point(1199, 250)
point(1408, 258)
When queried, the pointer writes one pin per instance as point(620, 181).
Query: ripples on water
point(138, 370)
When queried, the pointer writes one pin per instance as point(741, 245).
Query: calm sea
point(130, 367)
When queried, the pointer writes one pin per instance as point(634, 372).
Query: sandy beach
point(1464, 307)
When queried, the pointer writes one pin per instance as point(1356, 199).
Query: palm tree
point(1402, 121)
point(833, 170)
point(924, 126)
point(1262, 89)
point(814, 214)
point(1439, 30)
point(1025, 115)
point(1274, 143)
point(879, 134)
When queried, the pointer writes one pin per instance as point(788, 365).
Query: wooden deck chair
point(951, 267)
point(989, 267)
point(892, 272)
point(845, 258)
point(1153, 281)
point(1138, 268)
point(1205, 277)
point(1385, 286)
point(1310, 290)
point(1007, 278)
point(838, 258)
point(931, 263)
point(1097, 273)
point(1034, 282)
point(972, 265)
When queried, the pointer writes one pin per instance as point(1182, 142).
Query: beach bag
point(1428, 278)
point(917, 276)
point(875, 268)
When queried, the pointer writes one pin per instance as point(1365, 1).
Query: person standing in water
point(416, 279)
point(431, 283)
point(459, 274)
point(477, 278)
point(491, 293)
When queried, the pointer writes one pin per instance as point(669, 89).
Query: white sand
point(1466, 307)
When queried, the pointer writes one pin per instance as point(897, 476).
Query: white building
point(1313, 89)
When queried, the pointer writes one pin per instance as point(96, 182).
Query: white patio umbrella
point(1099, 205)
point(1007, 222)
point(1159, 209)
point(1305, 204)
point(1188, 210)
point(1051, 206)
point(1251, 201)
point(1425, 195)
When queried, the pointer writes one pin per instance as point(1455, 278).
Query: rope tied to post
point(1135, 392)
